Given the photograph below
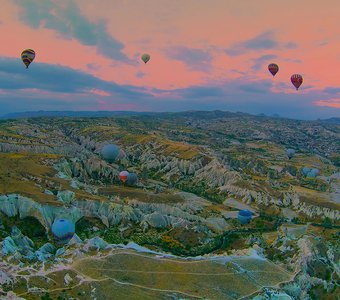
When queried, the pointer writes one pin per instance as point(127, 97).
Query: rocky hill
point(195, 171)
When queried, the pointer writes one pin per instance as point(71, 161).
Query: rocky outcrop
point(157, 215)
point(287, 199)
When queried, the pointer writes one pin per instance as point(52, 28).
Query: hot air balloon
point(305, 170)
point(110, 153)
point(244, 216)
point(273, 68)
point(313, 173)
point(296, 80)
point(290, 153)
point(63, 230)
point(145, 57)
point(123, 176)
point(27, 56)
point(132, 179)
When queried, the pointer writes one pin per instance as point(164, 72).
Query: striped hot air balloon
point(27, 56)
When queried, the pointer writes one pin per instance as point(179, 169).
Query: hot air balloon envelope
point(132, 179)
point(110, 153)
point(273, 68)
point(27, 56)
point(296, 80)
point(123, 175)
point(313, 173)
point(145, 57)
point(305, 171)
point(63, 229)
point(290, 153)
point(244, 216)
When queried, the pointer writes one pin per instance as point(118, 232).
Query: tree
point(327, 222)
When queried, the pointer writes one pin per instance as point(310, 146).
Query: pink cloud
point(99, 92)
point(160, 27)
point(335, 102)
point(148, 26)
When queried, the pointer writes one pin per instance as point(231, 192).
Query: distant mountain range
point(95, 114)
point(331, 120)
point(90, 114)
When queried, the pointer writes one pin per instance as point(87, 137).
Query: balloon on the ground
point(145, 57)
point(273, 68)
point(27, 56)
point(123, 175)
point(63, 229)
point(244, 216)
point(110, 153)
point(296, 80)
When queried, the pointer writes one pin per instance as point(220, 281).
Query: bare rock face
point(218, 225)
point(95, 243)
point(216, 174)
point(44, 252)
point(13, 204)
point(213, 171)
point(17, 243)
point(158, 215)
point(289, 199)
point(66, 197)
point(5, 278)
point(157, 220)
point(88, 169)
point(313, 261)
point(67, 279)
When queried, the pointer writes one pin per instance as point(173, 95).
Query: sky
point(205, 55)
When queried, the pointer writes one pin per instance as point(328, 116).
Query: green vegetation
point(28, 226)
point(201, 189)
point(141, 195)
point(47, 297)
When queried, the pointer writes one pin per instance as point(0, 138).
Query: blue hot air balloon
point(110, 153)
point(305, 171)
point(313, 173)
point(132, 179)
point(290, 153)
point(244, 216)
point(63, 230)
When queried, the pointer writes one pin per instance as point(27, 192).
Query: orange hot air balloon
point(273, 68)
point(296, 80)
point(123, 176)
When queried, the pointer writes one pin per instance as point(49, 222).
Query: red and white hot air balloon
point(296, 80)
point(123, 176)
point(273, 68)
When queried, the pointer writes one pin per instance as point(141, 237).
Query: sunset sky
point(205, 55)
